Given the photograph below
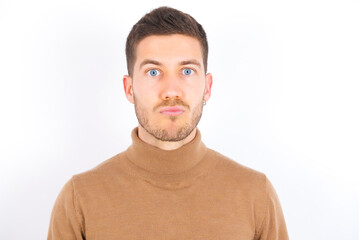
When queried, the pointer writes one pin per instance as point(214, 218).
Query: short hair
point(164, 21)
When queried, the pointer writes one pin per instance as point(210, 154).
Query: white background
point(284, 102)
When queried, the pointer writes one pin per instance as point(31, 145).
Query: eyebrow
point(190, 62)
point(185, 62)
point(150, 61)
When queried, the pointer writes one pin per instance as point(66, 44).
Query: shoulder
point(106, 171)
point(238, 175)
point(234, 168)
point(244, 182)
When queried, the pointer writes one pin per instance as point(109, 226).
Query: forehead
point(169, 49)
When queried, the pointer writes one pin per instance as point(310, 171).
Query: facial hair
point(164, 134)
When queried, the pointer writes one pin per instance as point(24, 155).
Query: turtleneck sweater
point(192, 192)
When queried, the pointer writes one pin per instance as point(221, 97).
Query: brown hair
point(164, 21)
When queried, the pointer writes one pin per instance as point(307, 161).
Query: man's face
point(168, 86)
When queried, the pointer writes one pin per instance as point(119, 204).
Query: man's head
point(167, 78)
point(164, 21)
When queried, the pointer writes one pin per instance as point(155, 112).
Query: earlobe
point(127, 85)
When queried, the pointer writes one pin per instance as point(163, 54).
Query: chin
point(170, 131)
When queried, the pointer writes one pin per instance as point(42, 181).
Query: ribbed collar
point(152, 163)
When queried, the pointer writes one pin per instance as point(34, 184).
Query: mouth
point(172, 111)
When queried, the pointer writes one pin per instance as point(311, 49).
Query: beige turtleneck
point(148, 193)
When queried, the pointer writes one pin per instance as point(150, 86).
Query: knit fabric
point(147, 193)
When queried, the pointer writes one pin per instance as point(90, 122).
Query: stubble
point(169, 135)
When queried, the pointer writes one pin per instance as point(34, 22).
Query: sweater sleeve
point(273, 226)
point(66, 219)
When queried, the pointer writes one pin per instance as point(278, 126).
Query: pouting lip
point(172, 109)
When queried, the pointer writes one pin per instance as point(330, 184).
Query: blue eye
point(187, 71)
point(153, 72)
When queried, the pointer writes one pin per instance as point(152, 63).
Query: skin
point(169, 58)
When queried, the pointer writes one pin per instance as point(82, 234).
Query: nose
point(172, 88)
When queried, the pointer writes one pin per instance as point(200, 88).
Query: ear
point(208, 86)
point(128, 87)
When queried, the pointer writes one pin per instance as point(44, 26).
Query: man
point(168, 184)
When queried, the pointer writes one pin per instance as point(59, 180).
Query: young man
point(168, 184)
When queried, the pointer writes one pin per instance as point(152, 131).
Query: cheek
point(142, 91)
point(196, 92)
point(144, 99)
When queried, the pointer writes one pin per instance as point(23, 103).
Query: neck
point(172, 169)
point(164, 145)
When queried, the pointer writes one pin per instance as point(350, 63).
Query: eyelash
point(148, 72)
point(192, 71)
point(159, 72)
